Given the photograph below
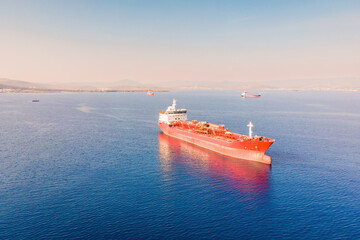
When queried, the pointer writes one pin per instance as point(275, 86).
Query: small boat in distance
point(245, 95)
point(35, 100)
point(150, 93)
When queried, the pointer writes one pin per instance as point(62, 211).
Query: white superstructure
point(172, 114)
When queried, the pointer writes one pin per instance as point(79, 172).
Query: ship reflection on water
point(244, 176)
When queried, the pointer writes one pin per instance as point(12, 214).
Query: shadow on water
point(244, 176)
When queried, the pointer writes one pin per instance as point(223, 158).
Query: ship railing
point(176, 112)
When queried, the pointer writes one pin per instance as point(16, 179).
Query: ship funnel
point(250, 125)
point(174, 102)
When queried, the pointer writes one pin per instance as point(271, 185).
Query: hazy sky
point(157, 41)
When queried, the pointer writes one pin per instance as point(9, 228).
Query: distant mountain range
point(16, 84)
point(11, 85)
point(131, 85)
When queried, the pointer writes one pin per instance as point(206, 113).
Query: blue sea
point(95, 166)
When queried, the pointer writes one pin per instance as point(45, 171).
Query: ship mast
point(250, 125)
point(172, 107)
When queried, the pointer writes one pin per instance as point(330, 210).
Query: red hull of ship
point(248, 150)
point(253, 96)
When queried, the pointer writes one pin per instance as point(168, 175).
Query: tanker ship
point(174, 123)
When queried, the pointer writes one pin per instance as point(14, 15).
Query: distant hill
point(16, 84)
point(11, 85)
point(131, 85)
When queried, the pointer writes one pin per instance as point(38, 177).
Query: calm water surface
point(95, 165)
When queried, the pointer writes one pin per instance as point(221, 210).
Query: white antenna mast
point(250, 125)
